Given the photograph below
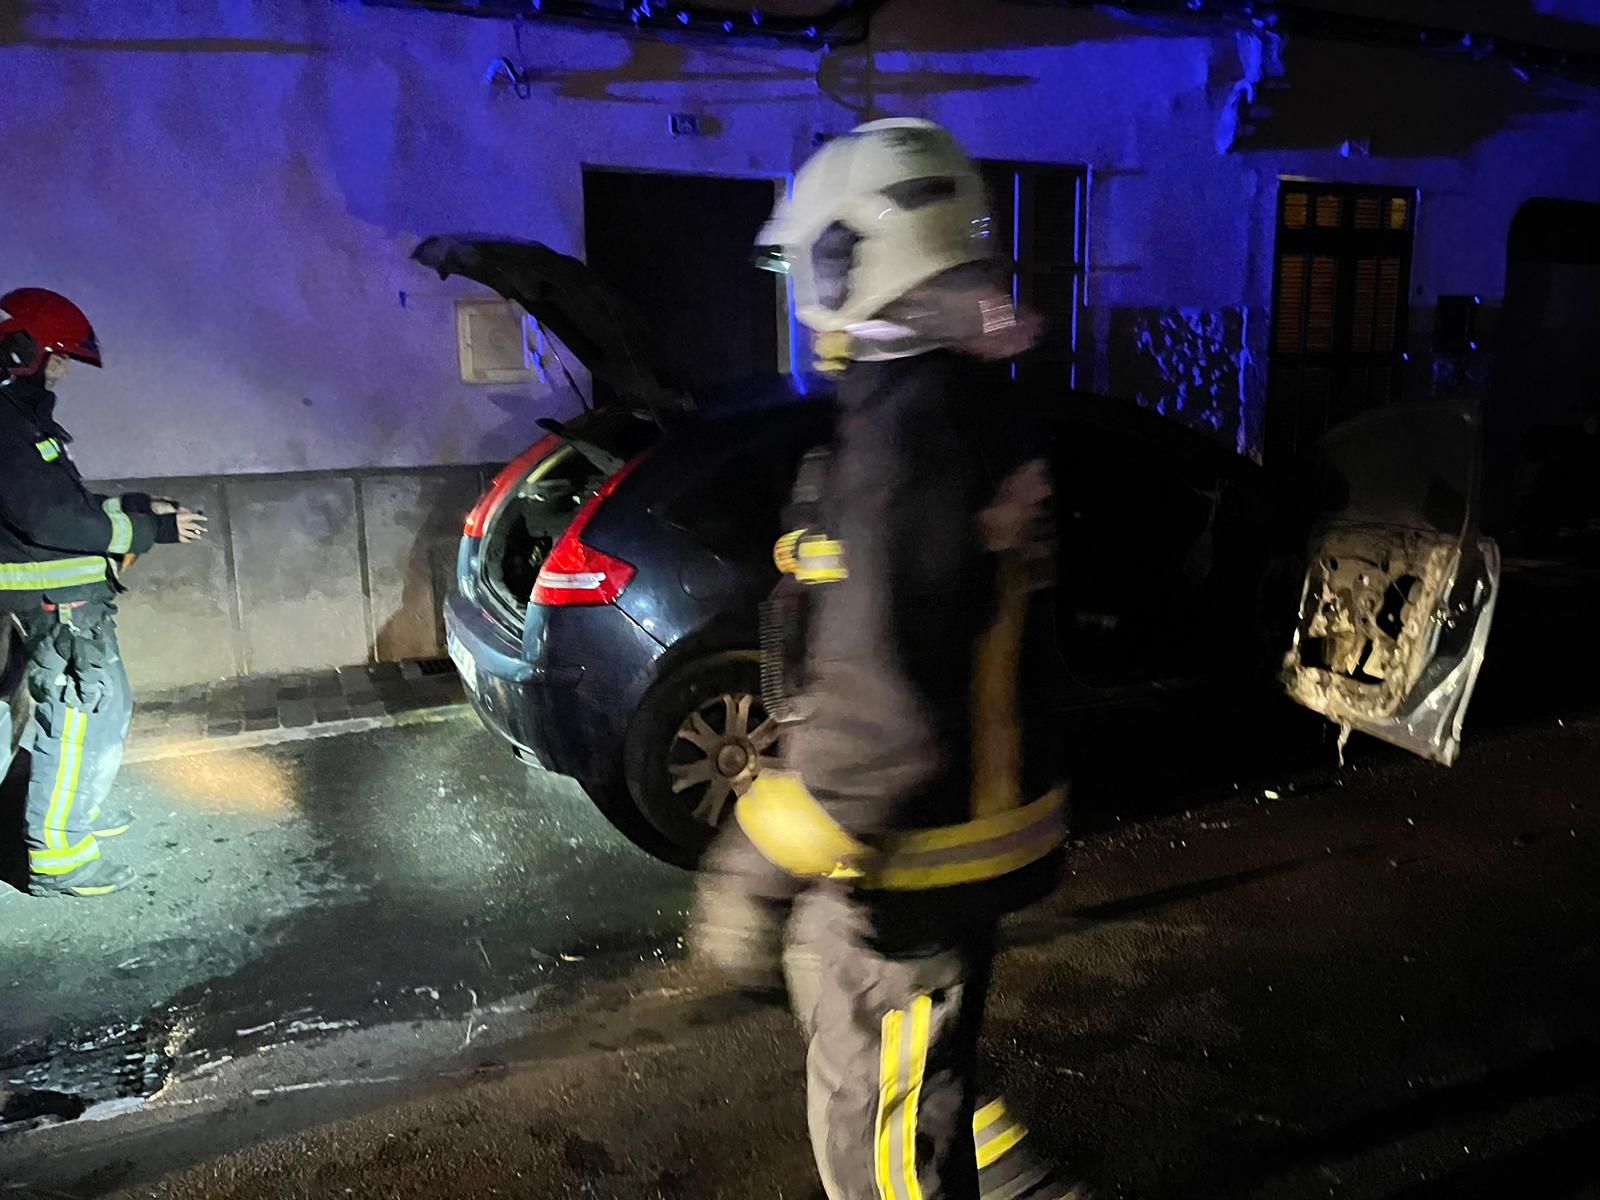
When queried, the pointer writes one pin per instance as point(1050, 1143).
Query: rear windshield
point(523, 530)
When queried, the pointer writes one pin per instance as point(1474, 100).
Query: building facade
point(1255, 228)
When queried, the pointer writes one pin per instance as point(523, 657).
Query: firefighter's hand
point(1018, 523)
point(191, 526)
point(161, 507)
point(1018, 519)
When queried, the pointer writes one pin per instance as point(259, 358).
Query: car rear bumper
point(568, 712)
point(502, 686)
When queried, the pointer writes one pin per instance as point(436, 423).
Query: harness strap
point(794, 832)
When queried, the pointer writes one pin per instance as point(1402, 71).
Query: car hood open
point(570, 301)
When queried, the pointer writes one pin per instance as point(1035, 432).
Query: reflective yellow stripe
point(902, 1066)
point(810, 557)
point(68, 768)
point(988, 1115)
point(983, 829)
point(59, 857)
point(64, 862)
point(888, 1098)
point(121, 526)
point(991, 1151)
point(59, 573)
point(783, 553)
point(49, 449)
point(832, 350)
point(787, 825)
point(917, 1053)
point(819, 560)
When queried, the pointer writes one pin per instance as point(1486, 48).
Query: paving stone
point(293, 714)
point(294, 700)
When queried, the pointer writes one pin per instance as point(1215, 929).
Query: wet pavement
point(296, 890)
point(1379, 983)
point(397, 963)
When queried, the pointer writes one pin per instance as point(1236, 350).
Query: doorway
point(1544, 419)
point(1341, 277)
point(680, 250)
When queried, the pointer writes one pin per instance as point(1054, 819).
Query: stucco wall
point(232, 189)
point(299, 571)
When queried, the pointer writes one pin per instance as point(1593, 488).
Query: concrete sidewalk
point(266, 709)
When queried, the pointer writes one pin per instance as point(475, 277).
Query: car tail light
point(504, 483)
point(574, 573)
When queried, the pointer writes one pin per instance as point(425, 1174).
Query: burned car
point(1401, 588)
point(606, 613)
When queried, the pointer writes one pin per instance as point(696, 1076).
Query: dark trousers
point(890, 995)
point(83, 707)
point(892, 1026)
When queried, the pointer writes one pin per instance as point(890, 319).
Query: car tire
point(700, 736)
point(616, 804)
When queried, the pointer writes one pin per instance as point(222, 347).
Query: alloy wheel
point(718, 751)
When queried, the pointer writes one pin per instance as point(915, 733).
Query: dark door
point(679, 249)
point(1037, 224)
point(1544, 421)
point(1339, 308)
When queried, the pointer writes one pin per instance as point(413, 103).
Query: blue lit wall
point(231, 189)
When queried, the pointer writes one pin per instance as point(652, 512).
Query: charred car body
point(1401, 589)
point(609, 584)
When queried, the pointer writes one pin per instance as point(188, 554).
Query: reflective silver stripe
point(994, 1132)
point(61, 573)
point(49, 449)
point(787, 825)
point(902, 1066)
point(67, 860)
point(819, 559)
point(121, 526)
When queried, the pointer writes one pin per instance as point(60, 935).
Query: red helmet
point(35, 322)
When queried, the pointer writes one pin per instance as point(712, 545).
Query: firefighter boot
point(110, 820)
point(98, 878)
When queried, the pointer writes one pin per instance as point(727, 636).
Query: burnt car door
point(1401, 585)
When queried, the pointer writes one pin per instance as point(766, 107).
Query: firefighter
point(62, 549)
point(916, 806)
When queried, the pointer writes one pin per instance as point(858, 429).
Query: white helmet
point(875, 214)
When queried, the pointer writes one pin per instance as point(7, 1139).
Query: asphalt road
point(1381, 983)
point(398, 964)
point(313, 888)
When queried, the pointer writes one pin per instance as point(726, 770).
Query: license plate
point(464, 662)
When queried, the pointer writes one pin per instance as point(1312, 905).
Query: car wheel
point(698, 741)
